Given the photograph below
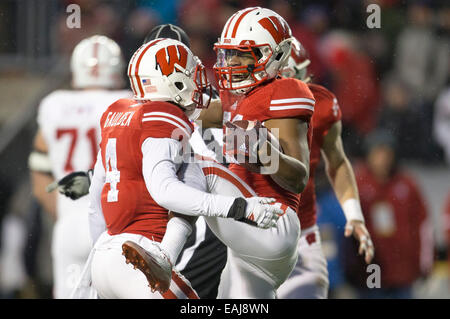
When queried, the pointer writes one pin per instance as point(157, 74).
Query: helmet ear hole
point(179, 85)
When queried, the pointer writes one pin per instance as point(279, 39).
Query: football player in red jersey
point(254, 45)
point(310, 276)
point(135, 181)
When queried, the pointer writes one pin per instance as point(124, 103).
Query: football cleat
point(153, 263)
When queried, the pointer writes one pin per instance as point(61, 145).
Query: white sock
point(177, 232)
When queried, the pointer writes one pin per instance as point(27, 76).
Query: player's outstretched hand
point(359, 230)
point(74, 185)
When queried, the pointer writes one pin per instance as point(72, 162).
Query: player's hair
point(168, 31)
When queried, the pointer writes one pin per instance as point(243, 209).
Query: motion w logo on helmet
point(277, 29)
point(167, 57)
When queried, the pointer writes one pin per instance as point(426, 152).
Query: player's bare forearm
point(343, 181)
point(293, 162)
point(337, 165)
point(292, 174)
point(212, 116)
point(39, 182)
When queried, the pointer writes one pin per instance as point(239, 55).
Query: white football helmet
point(97, 62)
point(258, 31)
point(297, 65)
point(167, 70)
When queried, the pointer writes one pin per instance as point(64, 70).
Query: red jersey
point(279, 98)
point(229, 103)
point(326, 113)
point(395, 216)
point(126, 203)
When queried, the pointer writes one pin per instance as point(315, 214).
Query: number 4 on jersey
point(112, 174)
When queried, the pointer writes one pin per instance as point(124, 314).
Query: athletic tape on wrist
point(352, 210)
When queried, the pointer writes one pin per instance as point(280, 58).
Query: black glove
point(74, 185)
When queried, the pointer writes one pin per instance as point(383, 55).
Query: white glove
point(262, 211)
point(257, 211)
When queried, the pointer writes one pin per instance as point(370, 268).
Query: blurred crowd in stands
point(395, 76)
point(392, 79)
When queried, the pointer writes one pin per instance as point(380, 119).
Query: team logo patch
point(167, 57)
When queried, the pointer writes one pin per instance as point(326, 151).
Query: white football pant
point(259, 260)
point(113, 278)
point(309, 279)
point(71, 244)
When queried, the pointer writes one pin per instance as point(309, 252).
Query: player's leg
point(261, 258)
point(309, 279)
point(262, 245)
point(156, 261)
point(202, 260)
point(241, 279)
point(70, 248)
point(113, 278)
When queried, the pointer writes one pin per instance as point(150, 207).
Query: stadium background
point(377, 74)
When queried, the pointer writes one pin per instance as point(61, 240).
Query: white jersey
point(70, 124)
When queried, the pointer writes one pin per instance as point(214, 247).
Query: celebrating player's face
point(236, 58)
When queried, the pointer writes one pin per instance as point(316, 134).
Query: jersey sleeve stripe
point(292, 107)
point(293, 100)
point(163, 119)
point(178, 119)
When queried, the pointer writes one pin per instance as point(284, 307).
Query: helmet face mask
point(166, 70)
point(256, 31)
point(240, 76)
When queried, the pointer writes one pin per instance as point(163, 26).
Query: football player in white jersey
point(67, 140)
